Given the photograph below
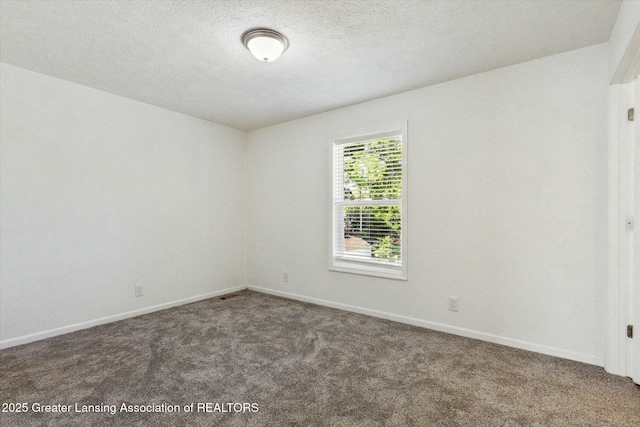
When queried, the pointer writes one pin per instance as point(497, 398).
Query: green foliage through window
point(372, 174)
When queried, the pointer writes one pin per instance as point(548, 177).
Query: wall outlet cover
point(453, 303)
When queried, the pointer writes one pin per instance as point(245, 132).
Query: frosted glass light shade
point(266, 45)
point(265, 48)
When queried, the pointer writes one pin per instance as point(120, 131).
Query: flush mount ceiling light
point(266, 45)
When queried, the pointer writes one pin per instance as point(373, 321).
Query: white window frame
point(345, 264)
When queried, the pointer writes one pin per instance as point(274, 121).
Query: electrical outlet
point(285, 276)
point(453, 303)
point(139, 290)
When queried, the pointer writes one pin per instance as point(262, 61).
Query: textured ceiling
point(187, 56)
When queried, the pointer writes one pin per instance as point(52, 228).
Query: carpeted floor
point(259, 360)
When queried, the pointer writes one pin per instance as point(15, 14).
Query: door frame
point(620, 271)
point(620, 279)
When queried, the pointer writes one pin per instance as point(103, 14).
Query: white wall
point(100, 193)
point(507, 206)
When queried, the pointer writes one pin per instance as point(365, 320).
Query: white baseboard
point(510, 342)
point(469, 333)
point(101, 321)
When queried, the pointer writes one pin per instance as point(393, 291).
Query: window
point(369, 204)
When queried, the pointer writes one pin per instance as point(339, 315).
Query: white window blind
point(368, 204)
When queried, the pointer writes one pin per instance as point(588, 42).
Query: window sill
point(343, 266)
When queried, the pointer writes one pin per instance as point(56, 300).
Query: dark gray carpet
point(300, 364)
